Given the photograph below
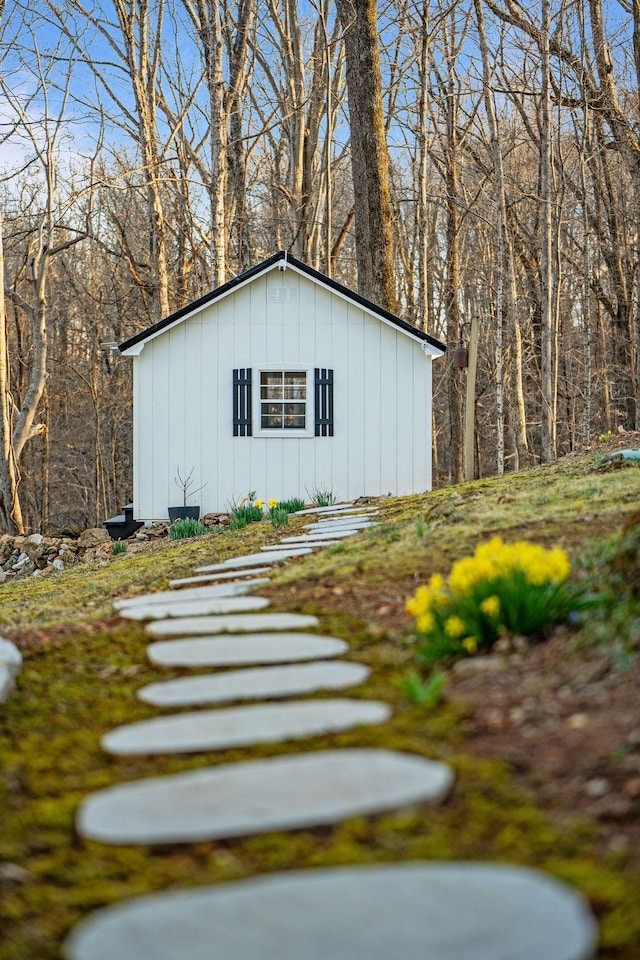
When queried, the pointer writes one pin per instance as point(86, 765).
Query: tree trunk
point(546, 263)
point(369, 153)
point(10, 510)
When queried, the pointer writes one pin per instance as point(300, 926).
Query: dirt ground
point(566, 720)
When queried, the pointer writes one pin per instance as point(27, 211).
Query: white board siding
point(183, 401)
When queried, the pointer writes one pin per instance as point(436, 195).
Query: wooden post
point(470, 406)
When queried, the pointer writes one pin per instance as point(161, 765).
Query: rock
point(597, 787)
point(58, 564)
point(216, 519)
point(14, 873)
point(578, 721)
point(22, 560)
point(36, 539)
point(93, 537)
point(631, 788)
point(473, 665)
point(3, 576)
point(611, 807)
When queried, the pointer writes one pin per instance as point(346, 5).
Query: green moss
point(83, 667)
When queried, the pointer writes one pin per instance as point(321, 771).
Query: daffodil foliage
point(503, 590)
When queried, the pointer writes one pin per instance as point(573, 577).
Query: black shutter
point(242, 402)
point(323, 395)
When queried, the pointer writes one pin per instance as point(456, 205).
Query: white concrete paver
point(193, 608)
point(282, 793)
point(412, 911)
point(230, 623)
point(256, 648)
point(311, 542)
point(222, 729)
point(216, 590)
point(336, 508)
point(10, 666)
point(350, 524)
point(251, 559)
point(253, 684)
point(319, 537)
point(215, 577)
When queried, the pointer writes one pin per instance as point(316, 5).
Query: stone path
point(248, 648)
point(416, 911)
point(193, 607)
point(320, 538)
point(311, 542)
point(213, 577)
point(229, 589)
point(241, 726)
point(230, 623)
point(263, 682)
point(326, 525)
point(462, 911)
point(251, 559)
point(259, 796)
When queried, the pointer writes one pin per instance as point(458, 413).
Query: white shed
point(281, 382)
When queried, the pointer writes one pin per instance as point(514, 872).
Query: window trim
point(309, 415)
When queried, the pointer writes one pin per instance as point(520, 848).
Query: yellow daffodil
point(470, 644)
point(259, 504)
point(491, 606)
point(425, 622)
point(273, 503)
point(454, 626)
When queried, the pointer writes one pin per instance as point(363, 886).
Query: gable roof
point(267, 265)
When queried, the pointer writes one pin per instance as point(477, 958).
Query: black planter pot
point(184, 513)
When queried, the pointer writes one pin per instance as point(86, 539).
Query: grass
point(83, 667)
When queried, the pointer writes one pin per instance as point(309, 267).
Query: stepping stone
point(252, 558)
point(412, 911)
point(281, 793)
point(242, 726)
point(214, 577)
point(328, 525)
point(10, 666)
point(244, 649)
point(193, 593)
point(320, 537)
point(312, 542)
point(331, 514)
point(230, 623)
point(339, 521)
point(259, 684)
point(335, 508)
point(194, 608)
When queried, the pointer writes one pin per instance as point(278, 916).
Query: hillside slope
point(545, 738)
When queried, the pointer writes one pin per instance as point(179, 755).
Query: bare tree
point(369, 153)
point(49, 236)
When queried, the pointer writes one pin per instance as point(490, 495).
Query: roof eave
point(134, 345)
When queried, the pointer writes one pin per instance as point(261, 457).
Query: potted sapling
point(185, 484)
